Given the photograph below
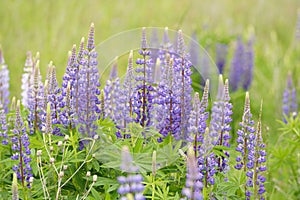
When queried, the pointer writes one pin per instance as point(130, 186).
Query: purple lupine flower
point(194, 50)
point(4, 83)
point(131, 185)
point(35, 99)
point(198, 119)
point(221, 54)
point(126, 94)
point(220, 122)
point(67, 105)
point(260, 161)
point(111, 94)
point(237, 65)
point(21, 150)
point(144, 91)
point(182, 68)
point(28, 68)
point(193, 185)
point(289, 102)
point(154, 46)
point(54, 97)
point(246, 146)
point(88, 89)
point(248, 66)
point(3, 126)
point(168, 115)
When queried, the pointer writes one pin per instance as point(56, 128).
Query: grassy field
point(52, 27)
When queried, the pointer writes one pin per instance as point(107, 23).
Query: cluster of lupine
point(165, 102)
point(289, 101)
point(252, 154)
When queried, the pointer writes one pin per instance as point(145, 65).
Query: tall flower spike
point(144, 90)
point(88, 92)
point(91, 41)
point(194, 50)
point(221, 54)
point(20, 148)
point(111, 94)
point(220, 123)
point(248, 67)
point(54, 98)
point(28, 68)
point(131, 185)
point(126, 94)
point(67, 104)
point(246, 147)
point(168, 114)
point(182, 67)
point(289, 102)
point(4, 83)
point(193, 186)
point(260, 159)
point(3, 126)
point(237, 65)
point(35, 99)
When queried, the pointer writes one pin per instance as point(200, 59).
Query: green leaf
point(95, 193)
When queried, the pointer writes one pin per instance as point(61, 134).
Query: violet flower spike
point(248, 66)
point(131, 184)
point(4, 83)
point(194, 185)
point(21, 150)
point(28, 68)
point(221, 54)
point(144, 90)
point(88, 103)
point(237, 65)
point(289, 102)
point(246, 147)
point(3, 126)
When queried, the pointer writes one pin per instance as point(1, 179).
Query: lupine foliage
point(142, 137)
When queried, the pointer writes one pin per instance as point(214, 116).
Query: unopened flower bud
point(39, 152)
point(93, 155)
point(96, 137)
point(88, 174)
point(95, 178)
point(59, 144)
point(61, 174)
point(67, 137)
point(52, 160)
point(65, 167)
point(51, 148)
point(31, 180)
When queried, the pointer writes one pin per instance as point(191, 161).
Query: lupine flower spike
point(246, 147)
point(193, 185)
point(220, 122)
point(4, 83)
point(289, 102)
point(143, 97)
point(21, 150)
point(28, 68)
point(259, 178)
point(88, 106)
point(131, 187)
point(221, 54)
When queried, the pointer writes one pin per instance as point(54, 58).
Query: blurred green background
point(52, 27)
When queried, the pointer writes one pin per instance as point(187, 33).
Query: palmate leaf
point(166, 154)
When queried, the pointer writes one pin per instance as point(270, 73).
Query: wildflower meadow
point(151, 112)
